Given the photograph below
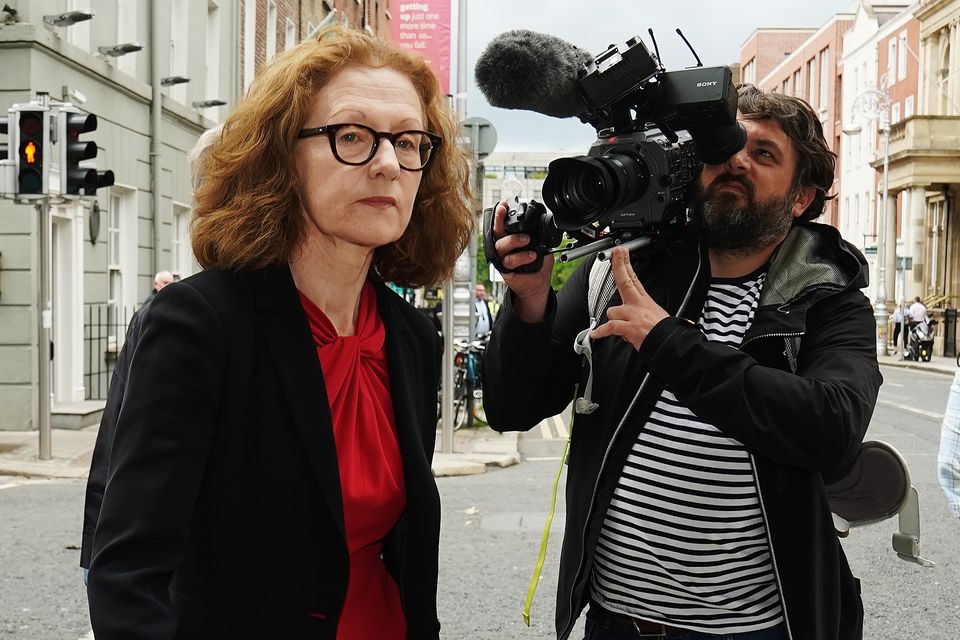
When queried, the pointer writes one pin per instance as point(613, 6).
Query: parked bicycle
point(467, 386)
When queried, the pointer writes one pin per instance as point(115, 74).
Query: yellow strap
point(535, 580)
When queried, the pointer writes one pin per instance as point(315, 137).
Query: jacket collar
point(812, 258)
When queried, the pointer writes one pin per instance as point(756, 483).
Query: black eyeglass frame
point(330, 130)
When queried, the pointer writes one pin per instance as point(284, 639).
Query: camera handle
point(490, 250)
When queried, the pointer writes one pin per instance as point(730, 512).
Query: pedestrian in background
point(897, 327)
point(484, 319)
point(160, 280)
point(917, 312)
point(270, 472)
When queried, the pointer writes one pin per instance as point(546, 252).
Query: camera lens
point(582, 189)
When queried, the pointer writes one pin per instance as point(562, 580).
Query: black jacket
point(798, 394)
point(97, 478)
point(222, 515)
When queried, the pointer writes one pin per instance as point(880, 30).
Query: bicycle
point(467, 387)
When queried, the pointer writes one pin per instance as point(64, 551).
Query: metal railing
point(104, 327)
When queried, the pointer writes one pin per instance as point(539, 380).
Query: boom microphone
point(533, 71)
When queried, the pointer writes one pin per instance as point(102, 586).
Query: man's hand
point(531, 290)
point(635, 318)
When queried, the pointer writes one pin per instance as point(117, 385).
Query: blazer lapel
point(405, 366)
point(290, 345)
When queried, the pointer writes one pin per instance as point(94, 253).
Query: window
point(797, 86)
point(902, 57)
point(78, 34)
point(535, 173)
point(212, 53)
point(290, 35)
point(750, 71)
point(787, 88)
point(895, 112)
point(271, 30)
point(824, 78)
point(179, 16)
point(121, 259)
point(249, 42)
point(891, 60)
point(856, 207)
point(908, 107)
point(181, 253)
point(812, 82)
point(127, 32)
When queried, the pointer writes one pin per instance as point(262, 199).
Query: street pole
point(43, 334)
point(446, 381)
point(883, 243)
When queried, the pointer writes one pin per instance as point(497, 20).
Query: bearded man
point(731, 370)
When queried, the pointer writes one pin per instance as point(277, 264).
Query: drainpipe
point(156, 113)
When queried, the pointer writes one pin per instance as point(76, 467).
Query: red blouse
point(371, 471)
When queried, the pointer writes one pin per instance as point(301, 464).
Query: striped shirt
point(683, 541)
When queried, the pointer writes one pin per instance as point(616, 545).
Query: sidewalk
point(937, 364)
point(474, 450)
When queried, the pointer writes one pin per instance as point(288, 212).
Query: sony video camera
point(654, 129)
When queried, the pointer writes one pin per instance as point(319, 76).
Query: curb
point(42, 469)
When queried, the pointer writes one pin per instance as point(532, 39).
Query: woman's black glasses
point(356, 144)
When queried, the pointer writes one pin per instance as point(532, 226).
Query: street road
point(491, 534)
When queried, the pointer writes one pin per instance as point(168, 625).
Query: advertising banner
point(424, 27)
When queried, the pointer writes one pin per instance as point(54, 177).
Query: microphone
point(533, 71)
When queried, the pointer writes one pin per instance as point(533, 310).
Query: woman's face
point(368, 205)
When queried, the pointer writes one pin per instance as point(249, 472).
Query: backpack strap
point(599, 292)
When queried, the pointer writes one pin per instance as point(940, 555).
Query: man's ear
point(804, 197)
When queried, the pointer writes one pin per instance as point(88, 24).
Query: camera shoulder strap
point(600, 289)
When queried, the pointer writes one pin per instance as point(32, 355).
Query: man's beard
point(727, 228)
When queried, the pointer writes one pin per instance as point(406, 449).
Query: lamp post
point(875, 104)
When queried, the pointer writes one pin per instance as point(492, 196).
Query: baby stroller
point(919, 343)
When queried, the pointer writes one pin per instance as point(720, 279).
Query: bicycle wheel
point(460, 413)
point(460, 408)
point(477, 411)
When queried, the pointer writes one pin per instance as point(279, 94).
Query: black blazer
point(222, 515)
point(97, 478)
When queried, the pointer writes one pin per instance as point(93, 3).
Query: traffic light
point(75, 179)
point(32, 139)
point(8, 166)
point(4, 129)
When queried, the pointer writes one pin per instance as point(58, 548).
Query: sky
point(715, 28)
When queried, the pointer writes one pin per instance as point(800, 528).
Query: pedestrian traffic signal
point(74, 178)
point(4, 129)
point(33, 135)
point(8, 166)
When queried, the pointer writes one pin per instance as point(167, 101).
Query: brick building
point(270, 26)
point(766, 48)
point(808, 71)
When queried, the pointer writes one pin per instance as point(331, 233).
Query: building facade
point(924, 160)
point(879, 69)
point(898, 63)
point(810, 72)
point(105, 249)
point(766, 48)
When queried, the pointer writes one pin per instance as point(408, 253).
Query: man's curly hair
point(816, 163)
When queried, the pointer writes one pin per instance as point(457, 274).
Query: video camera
point(654, 129)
